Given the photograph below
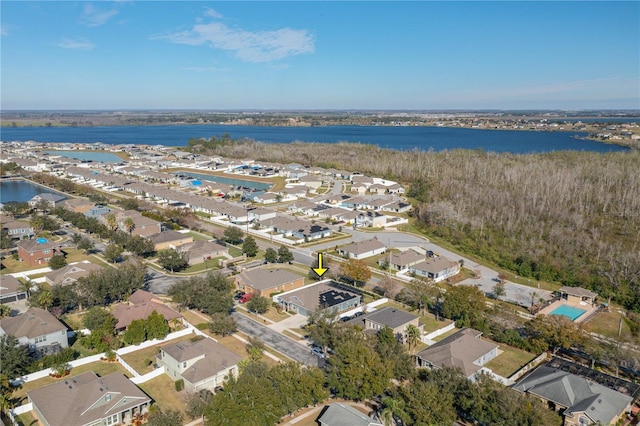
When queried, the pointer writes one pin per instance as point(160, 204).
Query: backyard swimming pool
point(568, 311)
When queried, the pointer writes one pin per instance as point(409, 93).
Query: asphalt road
point(277, 341)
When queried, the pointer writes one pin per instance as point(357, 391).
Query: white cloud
point(212, 13)
point(258, 46)
point(94, 17)
point(76, 43)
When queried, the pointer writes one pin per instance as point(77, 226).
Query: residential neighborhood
point(142, 292)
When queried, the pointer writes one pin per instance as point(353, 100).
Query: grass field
point(162, 390)
point(509, 361)
point(139, 360)
point(28, 419)
point(608, 324)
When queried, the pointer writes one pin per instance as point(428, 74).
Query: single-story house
point(87, 399)
point(97, 211)
point(362, 249)
point(338, 414)
point(11, 290)
point(36, 328)
point(396, 319)
point(580, 400)
point(141, 304)
point(200, 251)
point(301, 229)
point(402, 260)
point(71, 273)
point(463, 349)
point(318, 297)
point(263, 282)
point(578, 294)
point(436, 269)
point(170, 240)
point(201, 364)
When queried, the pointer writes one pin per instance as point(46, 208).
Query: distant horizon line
point(289, 110)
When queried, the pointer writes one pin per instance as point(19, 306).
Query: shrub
point(179, 385)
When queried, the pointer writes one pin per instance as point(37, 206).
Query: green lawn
point(445, 335)
point(608, 324)
point(139, 359)
point(28, 419)
point(509, 361)
point(162, 390)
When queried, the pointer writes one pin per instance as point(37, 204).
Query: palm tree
point(45, 299)
point(413, 336)
point(129, 224)
point(391, 406)
point(5, 310)
point(26, 286)
point(112, 222)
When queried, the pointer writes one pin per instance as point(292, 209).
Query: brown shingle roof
point(71, 273)
point(263, 279)
point(125, 313)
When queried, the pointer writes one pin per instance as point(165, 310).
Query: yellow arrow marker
point(320, 270)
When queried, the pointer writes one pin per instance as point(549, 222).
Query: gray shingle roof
point(33, 323)
point(82, 399)
point(576, 393)
point(338, 414)
point(458, 350)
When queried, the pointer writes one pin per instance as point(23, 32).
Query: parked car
point(317, 351)
point(238, 295)
point(245, 297)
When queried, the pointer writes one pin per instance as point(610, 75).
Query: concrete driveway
point(277, 341)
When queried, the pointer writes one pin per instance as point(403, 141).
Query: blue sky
point(320, 55)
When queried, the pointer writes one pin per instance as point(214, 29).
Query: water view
point(100, 157)
point(21, 190)
point(400, 138)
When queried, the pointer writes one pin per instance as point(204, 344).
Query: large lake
point(21, 190)
point(400, 138)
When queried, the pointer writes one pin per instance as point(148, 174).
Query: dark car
point(238, 295)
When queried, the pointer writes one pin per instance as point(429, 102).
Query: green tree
point(160, 417)
point(129, 225)
point(393, 354)
point(250, 247)
point(156, 326)
point(112, 222)
point(15, 357)
point(259, 304)
point(135, 333)
point(390, 408)
point(355, 270)
point(553, 331)
point(270, 255)
point(466, 306)
point(6, 241)
point(197, 403)
point(173, 260)
point(5, 310)
point(413, 336)
point(113, 252)
point(499, 290)
point(57, 261)
point(45, 299)
point(98, 318)
point(86, 245)
point(233, 235)
point(222, 324)
point(355, 370)
point(284, 255)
